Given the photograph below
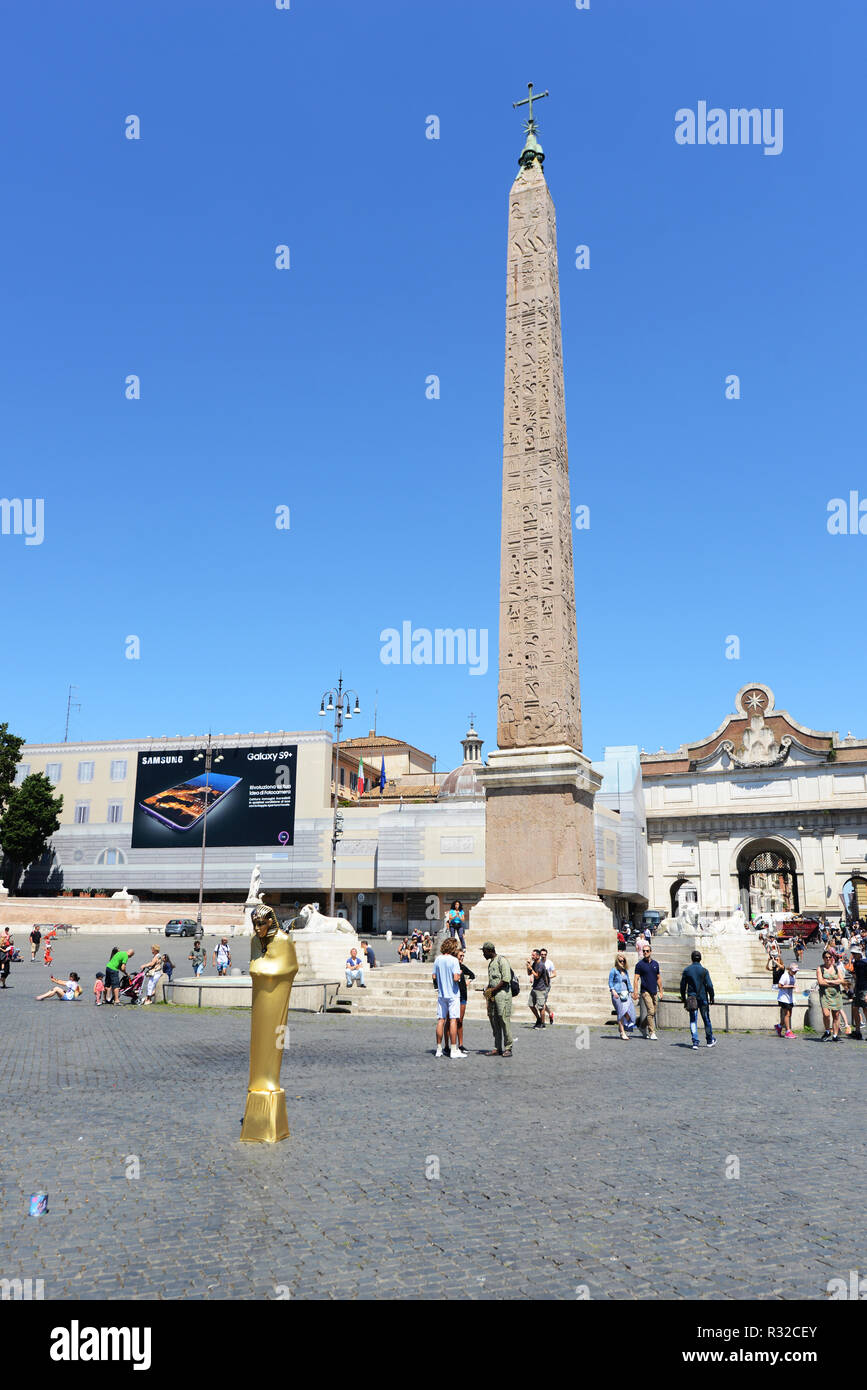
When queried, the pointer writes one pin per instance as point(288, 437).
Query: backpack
point(516, 987)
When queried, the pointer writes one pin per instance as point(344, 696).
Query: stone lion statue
point(312, 923)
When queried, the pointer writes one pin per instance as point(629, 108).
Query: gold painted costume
point(273, 967)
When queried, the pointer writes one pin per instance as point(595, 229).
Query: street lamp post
point(209, 754)
point(339, 701)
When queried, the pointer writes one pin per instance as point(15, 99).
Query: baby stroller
point(132, 987)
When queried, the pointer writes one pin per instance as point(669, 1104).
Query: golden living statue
point(273, 967)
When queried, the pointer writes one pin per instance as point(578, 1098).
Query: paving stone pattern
point(601, 1167)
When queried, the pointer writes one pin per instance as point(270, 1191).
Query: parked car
point(181, 926)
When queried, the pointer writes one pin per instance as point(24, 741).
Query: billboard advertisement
point(249, 796)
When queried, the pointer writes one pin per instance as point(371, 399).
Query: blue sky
point(306, 388)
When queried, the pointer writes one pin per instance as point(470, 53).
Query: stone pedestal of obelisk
point(539, 787)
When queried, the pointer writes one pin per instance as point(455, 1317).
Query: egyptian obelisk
point(540, 857)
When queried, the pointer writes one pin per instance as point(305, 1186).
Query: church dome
point(463, 782)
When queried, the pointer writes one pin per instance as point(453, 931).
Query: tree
point(31, 817)
point(10, 756)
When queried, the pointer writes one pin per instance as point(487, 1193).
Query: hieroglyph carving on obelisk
point(539, 700)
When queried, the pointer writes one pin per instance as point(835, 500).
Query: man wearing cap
point(499, 997)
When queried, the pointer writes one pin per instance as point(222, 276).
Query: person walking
point(35, 938)
point(696, 992)
point(446, 978)
point(799, 949)
point(466, 974)
point(552, 975)
point(648, 985)
point(499, 997)
point(222, 957)
point(539, 986)
point(116, 967)
point(783, 977)
point(98, 988)
point(456, 920)
point(830, 982)
point(198, 957)
point(620, 986)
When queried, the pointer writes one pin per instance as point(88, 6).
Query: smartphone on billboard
point(182, 806)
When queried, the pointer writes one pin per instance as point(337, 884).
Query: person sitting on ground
point(403, 950)
point(426, 946)
point(68, 990)
point(355, 970)
point(367, 952)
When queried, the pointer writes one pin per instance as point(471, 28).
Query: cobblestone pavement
point(561, 1169)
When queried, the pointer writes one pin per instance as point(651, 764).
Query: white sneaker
point(439, 1052)
point(653, 1037)
point(456, 1054)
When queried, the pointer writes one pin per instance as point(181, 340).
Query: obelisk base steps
point(578, 930)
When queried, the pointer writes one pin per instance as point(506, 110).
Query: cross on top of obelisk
point(532, 149)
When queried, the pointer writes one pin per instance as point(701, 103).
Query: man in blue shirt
point(446, 978)
point(648, 983)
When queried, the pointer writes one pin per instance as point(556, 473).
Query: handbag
point(691, 1003)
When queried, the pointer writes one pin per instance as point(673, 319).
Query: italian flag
point(360, 777)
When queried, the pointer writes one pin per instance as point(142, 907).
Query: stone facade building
point(406, 851)
point(765, 812)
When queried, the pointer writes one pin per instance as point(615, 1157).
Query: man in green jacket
point(499, 997)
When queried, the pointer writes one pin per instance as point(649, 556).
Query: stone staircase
point(406, 991)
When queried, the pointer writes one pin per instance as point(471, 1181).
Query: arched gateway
point(767, 878)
